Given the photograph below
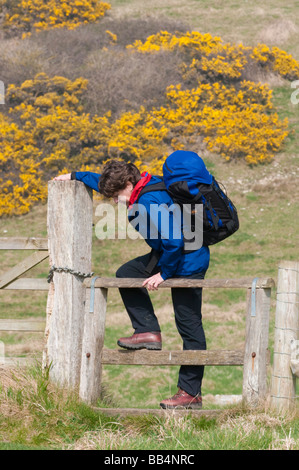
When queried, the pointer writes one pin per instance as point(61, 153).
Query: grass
point(35, 415)
point(245, 22)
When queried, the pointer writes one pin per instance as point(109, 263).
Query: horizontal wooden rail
point(23, 243)
point(23, 325)
point(26, 283)
point(21, 268)
point(173, 358)
point(104, 282)
point(12, 362)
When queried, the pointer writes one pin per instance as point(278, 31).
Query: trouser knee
point(121, 272)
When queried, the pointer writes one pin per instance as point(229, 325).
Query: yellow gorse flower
point(37, 15)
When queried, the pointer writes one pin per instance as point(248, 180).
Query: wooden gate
point(12, 280)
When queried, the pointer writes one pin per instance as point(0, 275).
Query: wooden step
point(143, 357)
point(157, 412)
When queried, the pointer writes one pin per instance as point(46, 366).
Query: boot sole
point(151, 346)
point(194, 406)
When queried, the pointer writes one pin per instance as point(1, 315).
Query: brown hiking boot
point(182, 400)
point(150, 340)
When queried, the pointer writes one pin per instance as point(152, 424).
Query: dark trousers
point(187, 309)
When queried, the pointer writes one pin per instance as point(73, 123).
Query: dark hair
point(116, 175)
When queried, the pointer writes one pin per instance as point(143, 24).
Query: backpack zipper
point(167, 167)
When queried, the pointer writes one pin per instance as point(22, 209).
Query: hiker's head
point(118, 179)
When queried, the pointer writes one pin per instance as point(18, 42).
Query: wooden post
point(70, 213)
point(256, 345)
point(93, 342)
point(283, 387)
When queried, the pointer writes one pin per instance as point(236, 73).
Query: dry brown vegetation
point(117, 81)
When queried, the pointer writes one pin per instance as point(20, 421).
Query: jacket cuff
point(164, 276)
point(73, 175)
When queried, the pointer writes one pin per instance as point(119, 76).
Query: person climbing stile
point(167, 259)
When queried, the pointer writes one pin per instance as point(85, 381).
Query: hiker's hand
point(65, 177)
point(153, 282)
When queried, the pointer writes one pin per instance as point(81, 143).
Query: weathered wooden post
point(256, 344)
point(70, 212)
point(93, 343)
point(283, 387)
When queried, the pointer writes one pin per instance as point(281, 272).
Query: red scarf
point(145, 178)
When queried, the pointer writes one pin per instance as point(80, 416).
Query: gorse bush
point(214, 60)
point(51, 134)
point(25, 16)
point(41, 137)
point(123, 108)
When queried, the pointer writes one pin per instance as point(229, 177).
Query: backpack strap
point(155, 255)
point(154, 258)
point(152, 187)
point(215, 218)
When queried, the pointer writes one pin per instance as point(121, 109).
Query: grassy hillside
point(267, 199)
point(248, 22)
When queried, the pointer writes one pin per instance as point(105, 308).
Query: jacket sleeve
point(90, 179)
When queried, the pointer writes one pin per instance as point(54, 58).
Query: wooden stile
point(173, 358)
point(115, 412)
point(76, 308)
point(262, 283)
point(76, 330)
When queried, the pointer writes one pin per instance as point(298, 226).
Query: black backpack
point(187, 180)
